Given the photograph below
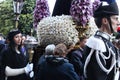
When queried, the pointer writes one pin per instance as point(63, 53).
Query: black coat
point(2, 67)
point(56, 69)
point(2, 72)
point(15, 60)
point(75, 57)
point(62, 7)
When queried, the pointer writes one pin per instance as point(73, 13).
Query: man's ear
point(104, 20)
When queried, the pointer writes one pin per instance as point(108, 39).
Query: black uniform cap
point(109, 9)
point(12, 33)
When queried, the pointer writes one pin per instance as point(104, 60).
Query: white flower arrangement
point(92, 28)
point(58, 29)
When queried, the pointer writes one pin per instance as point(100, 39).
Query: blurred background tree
point(7, 16)
point(26, 17)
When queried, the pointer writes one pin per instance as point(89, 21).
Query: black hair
point(12, 46)
point(10, 37)
point(98, 21)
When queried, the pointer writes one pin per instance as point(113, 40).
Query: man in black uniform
point(100, 53)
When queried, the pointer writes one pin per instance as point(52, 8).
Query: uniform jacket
point(93, 70)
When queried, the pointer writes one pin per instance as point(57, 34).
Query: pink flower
point(82, 10)
point(41, 10)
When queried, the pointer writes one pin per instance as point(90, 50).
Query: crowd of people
point(92, 58)
point(14, 60)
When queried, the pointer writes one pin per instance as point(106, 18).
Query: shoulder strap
point(96, 43)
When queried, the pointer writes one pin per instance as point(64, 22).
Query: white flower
point(92, 28)
point(58, 29)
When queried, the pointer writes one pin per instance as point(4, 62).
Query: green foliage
point(26, 18)
point(7, 16)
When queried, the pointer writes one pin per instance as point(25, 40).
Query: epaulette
point(96, 43)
